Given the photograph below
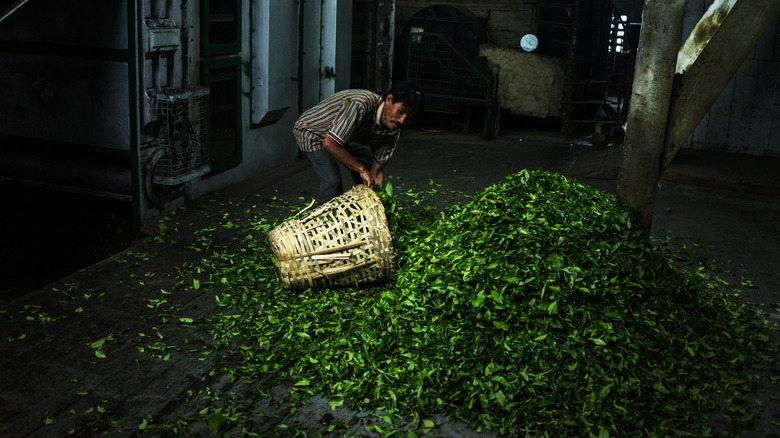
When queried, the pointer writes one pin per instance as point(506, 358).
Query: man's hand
point(342, 155)
point(368, 180)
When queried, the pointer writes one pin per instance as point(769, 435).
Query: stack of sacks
point(529, 84)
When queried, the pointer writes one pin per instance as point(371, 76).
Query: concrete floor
point(724, 207)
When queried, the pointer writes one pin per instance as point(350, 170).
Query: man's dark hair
point(410, 94)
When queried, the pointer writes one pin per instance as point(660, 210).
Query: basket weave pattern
point(344, 242)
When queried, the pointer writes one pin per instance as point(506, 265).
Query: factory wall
point(64, 116)
point(82, 87)
point(505, 21)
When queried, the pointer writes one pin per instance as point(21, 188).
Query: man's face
point(395, 114)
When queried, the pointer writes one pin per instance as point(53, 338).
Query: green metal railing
point(437, 63)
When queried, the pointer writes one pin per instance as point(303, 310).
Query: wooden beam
point(702, 32)
point(643, 146)
point(716, 64)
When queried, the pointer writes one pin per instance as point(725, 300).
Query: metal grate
point(436, 62)
point(182, 112)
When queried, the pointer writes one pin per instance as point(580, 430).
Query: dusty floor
point(722, 207)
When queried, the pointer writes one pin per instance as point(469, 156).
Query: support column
point(643, 149)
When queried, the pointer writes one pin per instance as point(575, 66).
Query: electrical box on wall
point(163, 39)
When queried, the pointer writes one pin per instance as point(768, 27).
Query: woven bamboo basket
point(344, 242)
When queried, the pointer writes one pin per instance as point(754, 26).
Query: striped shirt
point(347, 116)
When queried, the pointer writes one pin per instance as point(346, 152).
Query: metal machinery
point(442, 55)
point(180, 152)
point(100, 97)
point(98, 101)
point(174, 149)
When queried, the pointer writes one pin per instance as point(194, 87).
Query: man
point(358, 129)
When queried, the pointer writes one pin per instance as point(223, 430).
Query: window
point(618, 33)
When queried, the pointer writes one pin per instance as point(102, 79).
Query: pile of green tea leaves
point(536, 307)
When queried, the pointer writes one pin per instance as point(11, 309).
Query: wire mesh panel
point(436, 63)
point(182, 112)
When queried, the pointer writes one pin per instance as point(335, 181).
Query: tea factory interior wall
point(505, 21)
point(529, 84)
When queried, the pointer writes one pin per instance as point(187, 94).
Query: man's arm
point(343, 156)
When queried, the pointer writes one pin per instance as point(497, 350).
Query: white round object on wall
point(529, 42)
